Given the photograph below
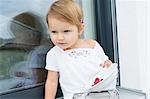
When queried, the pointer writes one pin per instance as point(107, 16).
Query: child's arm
point(51, 85)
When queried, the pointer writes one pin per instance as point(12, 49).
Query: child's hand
point(107, 63)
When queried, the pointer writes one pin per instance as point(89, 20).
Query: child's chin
point(64, 48)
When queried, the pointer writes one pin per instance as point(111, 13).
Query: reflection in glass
point(22, 51)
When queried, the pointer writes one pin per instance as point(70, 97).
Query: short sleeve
point(102, 57)
point(51, 60)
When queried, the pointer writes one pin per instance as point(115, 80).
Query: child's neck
point(79, 44)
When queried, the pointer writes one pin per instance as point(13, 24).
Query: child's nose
point(60, 36)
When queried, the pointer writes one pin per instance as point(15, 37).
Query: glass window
point(89, 18)
point(24, 42)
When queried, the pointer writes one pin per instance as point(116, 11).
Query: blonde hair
point(69, 10)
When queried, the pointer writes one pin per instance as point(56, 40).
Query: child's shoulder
point(91, 42)
point(54, 50)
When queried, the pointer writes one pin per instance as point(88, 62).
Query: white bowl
point(104, 78)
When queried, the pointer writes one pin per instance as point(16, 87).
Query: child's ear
point(81, 29)
point(82, 26)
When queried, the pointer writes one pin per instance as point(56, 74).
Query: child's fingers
point(107, 63)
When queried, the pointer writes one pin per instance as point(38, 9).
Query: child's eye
point(67, 30)
point(53, 32)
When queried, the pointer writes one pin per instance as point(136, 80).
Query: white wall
point(133, 25)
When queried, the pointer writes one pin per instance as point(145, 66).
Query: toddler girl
point(73, 60)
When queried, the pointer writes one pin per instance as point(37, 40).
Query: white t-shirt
point(76, 67)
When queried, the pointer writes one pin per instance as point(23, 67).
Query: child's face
point(63, 34)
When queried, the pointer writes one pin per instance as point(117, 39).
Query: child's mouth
point(62, 43)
